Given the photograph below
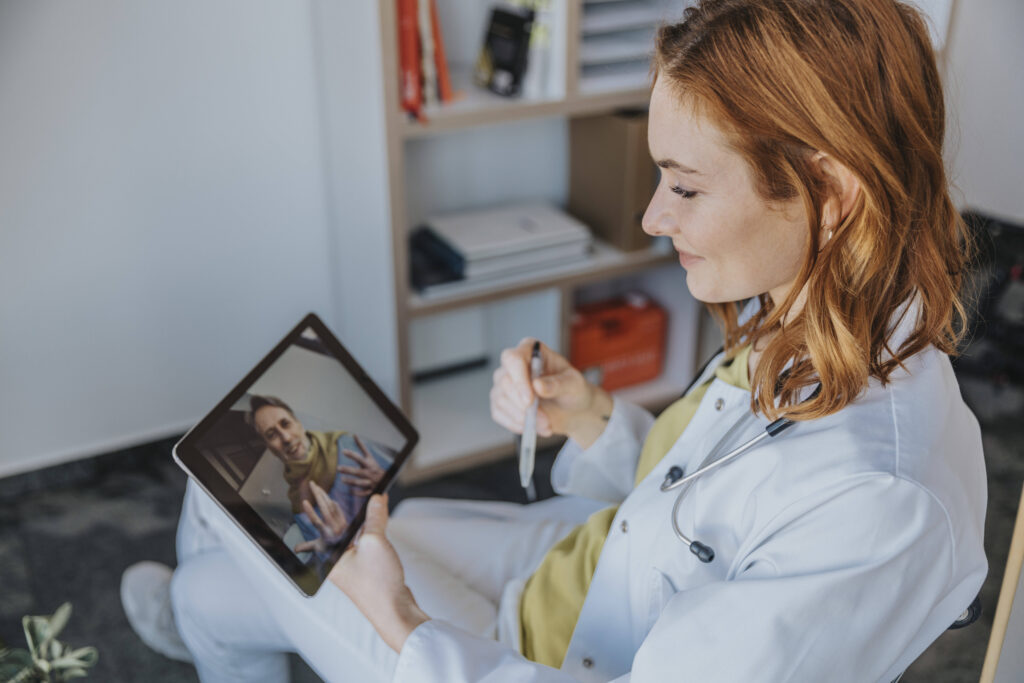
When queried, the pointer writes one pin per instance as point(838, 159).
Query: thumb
point(376, 515)
point(550, 386)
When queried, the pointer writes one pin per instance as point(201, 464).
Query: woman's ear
point(845, 190)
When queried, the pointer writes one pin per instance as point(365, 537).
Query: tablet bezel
point(197, 466)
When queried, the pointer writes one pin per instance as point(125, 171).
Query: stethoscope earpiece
point(703, 552)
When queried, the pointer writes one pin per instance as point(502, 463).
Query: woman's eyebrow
point(676, 166)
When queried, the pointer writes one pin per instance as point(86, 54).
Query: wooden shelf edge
point(630, 262)
point(516, 110)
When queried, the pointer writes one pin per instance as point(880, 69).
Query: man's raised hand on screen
point(366, 475)
point(331, 526)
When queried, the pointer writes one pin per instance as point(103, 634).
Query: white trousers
point(239, 615)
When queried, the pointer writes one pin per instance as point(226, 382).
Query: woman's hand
point(569, 405)
point(371, 575)
point(331, 526)
point(366, 475)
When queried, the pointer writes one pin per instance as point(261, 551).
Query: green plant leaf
point(13, 662)
point(35, 633)
point(59, 620)
point(88, 656)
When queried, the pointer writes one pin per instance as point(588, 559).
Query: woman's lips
point(687, 259)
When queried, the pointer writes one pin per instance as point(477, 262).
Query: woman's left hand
point(371, 575)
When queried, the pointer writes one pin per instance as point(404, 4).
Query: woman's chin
point(710, 292)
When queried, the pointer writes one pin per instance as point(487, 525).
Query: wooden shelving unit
point(452, 412)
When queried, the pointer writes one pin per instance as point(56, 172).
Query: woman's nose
point(656, 222)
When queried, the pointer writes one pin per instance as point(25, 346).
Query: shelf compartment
point(605, 262)
point(453, 417)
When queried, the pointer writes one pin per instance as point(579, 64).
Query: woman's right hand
point(569, 405)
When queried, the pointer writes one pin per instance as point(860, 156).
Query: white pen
point(528, 442)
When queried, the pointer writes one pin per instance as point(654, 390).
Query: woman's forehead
point(679, 133)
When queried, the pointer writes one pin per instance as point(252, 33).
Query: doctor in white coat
point(800, 147)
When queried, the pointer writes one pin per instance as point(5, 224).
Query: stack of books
point(482, 245)
point(424, 78)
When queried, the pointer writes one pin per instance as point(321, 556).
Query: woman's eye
point(685, 194)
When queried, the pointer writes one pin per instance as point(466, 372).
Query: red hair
point(858, 81)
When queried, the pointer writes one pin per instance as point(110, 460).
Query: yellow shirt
point(553, 597)
point(320, 464)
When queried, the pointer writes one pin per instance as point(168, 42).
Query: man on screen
point(329, 474)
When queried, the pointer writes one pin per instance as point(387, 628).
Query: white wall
point(985, 92)
point(163, 213)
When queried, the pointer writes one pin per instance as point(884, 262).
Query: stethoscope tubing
point(674, 479)
point(668, 485)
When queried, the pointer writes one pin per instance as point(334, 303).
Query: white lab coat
point(843, 548)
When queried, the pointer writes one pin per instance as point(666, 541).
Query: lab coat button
point(624, 526)
point(588, 663)
point(719, 404)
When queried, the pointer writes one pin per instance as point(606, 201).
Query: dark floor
point(68, 533)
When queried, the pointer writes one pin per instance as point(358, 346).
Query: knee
point(187, 601)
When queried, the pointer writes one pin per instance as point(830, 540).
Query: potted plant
point(46, 659)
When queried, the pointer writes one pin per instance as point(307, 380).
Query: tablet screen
point(293, 453)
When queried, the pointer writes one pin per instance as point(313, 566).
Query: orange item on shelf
point(444, 79)
point(621, 340)
point(409, 58)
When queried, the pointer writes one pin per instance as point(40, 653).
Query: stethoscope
point(674, 477)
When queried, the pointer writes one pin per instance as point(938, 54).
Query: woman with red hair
point(802, 183)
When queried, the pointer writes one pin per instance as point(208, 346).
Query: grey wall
point(985, 90)
point(162, 212)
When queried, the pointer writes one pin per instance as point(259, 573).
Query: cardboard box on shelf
point(611, 176)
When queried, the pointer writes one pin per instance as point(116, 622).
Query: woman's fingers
point(509, 418)
point(376, 515)
point(543, 424)
point(516, 364)
point(505, 395)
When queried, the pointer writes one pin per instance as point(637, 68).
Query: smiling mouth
point(687, 259)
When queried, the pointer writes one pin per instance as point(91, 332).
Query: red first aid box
point(619, 342)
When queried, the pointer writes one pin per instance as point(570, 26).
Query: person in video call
point(329, 474)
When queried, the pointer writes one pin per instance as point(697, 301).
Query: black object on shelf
point(502, 61)
point(431, 260)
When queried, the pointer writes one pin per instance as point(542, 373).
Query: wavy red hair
point(856, 80)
